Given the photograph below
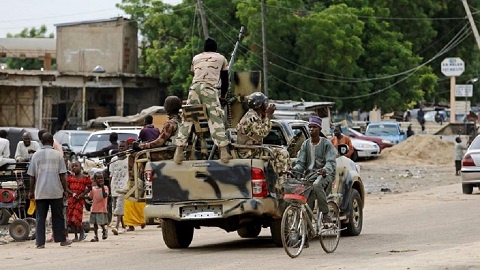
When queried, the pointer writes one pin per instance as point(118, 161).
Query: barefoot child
point(119, 178)
point(79, 185)
point(98, 215)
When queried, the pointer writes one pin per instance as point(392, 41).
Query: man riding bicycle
point(317, 154)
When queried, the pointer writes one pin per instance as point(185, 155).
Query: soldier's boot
point(224, 155)
point(178, 156)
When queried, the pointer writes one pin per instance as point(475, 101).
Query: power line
point(456, 40)
point(377, 17)
point(345, 79)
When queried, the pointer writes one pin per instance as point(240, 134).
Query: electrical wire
point(458, 38)
point(378, 17)
point(345, 79)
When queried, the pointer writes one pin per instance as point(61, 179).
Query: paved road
point(431, 229)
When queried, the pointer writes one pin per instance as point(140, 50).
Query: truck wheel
point(355, 220)
point(467, 189)
point(177, 234)
point(4, 216)
point(276, 231)
point(354, 156)
point(250, 231)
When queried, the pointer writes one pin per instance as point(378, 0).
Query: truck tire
point(354, 156)
point(250, 231)
point(467, 189)
point(4, 216)
point(355, 221)
point(276, 232)
point(177, 234)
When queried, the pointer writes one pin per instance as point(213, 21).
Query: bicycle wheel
point(293, 231)
point(330, 233)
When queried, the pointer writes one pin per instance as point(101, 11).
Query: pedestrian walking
point(98, 215)
point(48, 187)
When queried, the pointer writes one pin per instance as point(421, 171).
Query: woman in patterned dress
point(79, 184)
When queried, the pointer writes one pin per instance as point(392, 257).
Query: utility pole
point(203, 18)
point(264, 45)
point(472, 22)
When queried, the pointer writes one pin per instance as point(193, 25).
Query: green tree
point(358, 53)
point(30, 63)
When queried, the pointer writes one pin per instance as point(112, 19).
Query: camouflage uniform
point(167, 136)
point(206, 67)
point(251, 130)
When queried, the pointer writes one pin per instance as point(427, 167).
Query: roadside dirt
point(420, 162)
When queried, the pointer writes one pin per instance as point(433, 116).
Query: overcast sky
point(19, 14)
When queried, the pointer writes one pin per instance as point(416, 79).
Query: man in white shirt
point(5, 149)
point(26, 148)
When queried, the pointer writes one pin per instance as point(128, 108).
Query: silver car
point(364, 149)
point(471, 167)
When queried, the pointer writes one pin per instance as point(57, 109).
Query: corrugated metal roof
point(28, 47)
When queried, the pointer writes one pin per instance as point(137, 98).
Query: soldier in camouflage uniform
point(209, 69)
point(172, 106)
point(254, 126)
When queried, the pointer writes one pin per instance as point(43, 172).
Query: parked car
point(470, 170)
point(364, 149)
point(100, 139)
point(386, 130)
point(382, 143)
point(72, 140)
point(430, 115)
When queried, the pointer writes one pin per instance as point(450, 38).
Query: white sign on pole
point(453, 66)
point(463, 90)
point(462, 107)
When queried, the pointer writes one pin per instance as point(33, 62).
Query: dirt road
point(421, 220)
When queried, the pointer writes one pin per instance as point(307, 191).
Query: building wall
point(111, 44)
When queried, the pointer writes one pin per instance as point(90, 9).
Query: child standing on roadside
point(118, 183)
point(79, 184)
point(98, 215)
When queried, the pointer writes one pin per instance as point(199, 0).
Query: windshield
point(353, 131)
point(475, 144)
point(381, 130)
point(99, 141)
point(78, 139)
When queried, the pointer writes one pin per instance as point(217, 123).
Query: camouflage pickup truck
point(241, 196)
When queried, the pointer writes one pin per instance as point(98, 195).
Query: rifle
point(230, 100)
point(227, 120)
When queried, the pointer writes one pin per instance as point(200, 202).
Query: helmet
point(172, 104)
point(256, 100)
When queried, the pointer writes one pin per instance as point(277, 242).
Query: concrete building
point(74, 93)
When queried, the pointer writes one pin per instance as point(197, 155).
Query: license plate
point(202, 211)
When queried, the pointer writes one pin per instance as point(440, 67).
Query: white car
point(364, 149)
point(100, 139)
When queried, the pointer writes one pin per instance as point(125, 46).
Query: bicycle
point(297, 225)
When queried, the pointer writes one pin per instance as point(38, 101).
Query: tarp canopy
point(130, 120)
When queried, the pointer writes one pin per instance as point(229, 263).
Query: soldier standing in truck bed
point(254, 126)
point(209, 69)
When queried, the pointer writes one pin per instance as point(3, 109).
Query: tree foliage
point(357, 53)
